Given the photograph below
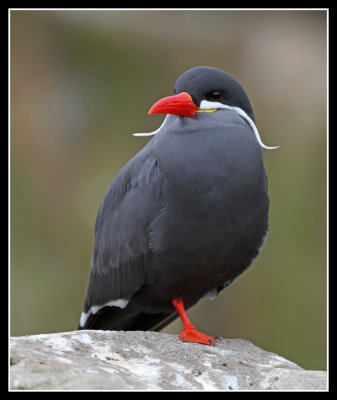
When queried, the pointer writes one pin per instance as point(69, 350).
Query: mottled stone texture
point(108, 360)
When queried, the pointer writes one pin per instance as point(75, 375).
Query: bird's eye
point(215, 95)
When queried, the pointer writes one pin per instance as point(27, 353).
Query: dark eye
point(215, 95)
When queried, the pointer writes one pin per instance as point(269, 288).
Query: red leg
point(189, 333)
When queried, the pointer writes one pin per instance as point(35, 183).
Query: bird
point(185, 216)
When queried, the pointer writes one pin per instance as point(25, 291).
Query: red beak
point(180, 104)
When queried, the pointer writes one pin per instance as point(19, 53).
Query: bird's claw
point(193, 336)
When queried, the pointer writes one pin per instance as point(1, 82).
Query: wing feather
point(121, 246)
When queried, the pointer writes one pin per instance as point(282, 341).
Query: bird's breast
point(209, 154)
point(214, 188)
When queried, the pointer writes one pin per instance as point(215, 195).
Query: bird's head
point(203, 89)
point(206, 89)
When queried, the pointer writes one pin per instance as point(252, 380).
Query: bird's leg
point(189, 333)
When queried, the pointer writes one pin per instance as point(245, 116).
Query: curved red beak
point(180, 104)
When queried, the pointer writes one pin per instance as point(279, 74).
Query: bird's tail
point(118, 319)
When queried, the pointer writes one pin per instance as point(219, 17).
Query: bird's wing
point(121, 246)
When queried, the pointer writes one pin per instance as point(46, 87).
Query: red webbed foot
point(194, 336)
point(189, 333)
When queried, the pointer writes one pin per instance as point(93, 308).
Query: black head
point(214, 85)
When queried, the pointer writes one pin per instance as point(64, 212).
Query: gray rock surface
point(103, 360)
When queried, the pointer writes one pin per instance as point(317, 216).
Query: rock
point(109, 360)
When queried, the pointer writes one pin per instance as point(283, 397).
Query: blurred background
point(81, 82)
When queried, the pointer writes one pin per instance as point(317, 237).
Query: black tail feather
point(118, 319)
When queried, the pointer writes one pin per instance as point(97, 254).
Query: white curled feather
point(205, 104)
point(151, 133)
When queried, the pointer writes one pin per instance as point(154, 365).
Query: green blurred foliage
point(81, 82)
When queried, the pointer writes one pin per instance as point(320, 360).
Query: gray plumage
point(183, 218)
